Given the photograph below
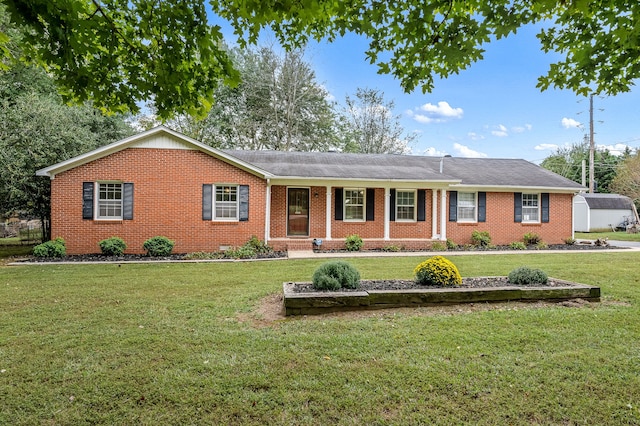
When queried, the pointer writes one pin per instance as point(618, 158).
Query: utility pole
point(592, 147)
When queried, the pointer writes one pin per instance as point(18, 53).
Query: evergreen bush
point(481, 238)
point(158, 246)
point(531, 238)
point(517, 245)
point(527, 275)
point(437, 271)
point(335, 275)
point(114, 246)
point(353, 242)
point(51, 249)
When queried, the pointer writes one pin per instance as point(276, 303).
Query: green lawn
point(175, 344)
point(620, 235)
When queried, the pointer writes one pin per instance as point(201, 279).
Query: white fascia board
point(505, 188)
point(106, 150)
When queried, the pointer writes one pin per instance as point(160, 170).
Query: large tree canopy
point(119, 52)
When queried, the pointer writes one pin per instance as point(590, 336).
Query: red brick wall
point(167, 201)
point(503, 230)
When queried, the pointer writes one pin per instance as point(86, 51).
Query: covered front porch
point(386, 215)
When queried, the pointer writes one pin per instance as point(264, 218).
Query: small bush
point(158, 246)
point(201, 255)
point(242, 252)
point(437, 271)
point(114, 246)
point(353, 242)
point(438, 246)
point(51, 249)
point(391, 247)
point(526, 275)
point(451, 245)
point(258, 245)
point(531, 238)
point(517, 245)
point(541, 245)
point(335, 275)
point(569, 241)
point(481, 238)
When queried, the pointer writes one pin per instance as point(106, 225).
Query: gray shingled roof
point(466, 171)
point(607, 201)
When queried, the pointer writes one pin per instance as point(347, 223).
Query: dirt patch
point(269, 311)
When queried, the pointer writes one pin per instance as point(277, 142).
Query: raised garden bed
point(301, 299)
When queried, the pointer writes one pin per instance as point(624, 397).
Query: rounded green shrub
point(481, 238)
point(114, 246)
point(51, 249)
point(336, 275)
point(158, 246)
point(437, 271)
point(517, 245)
point(353, 242)
point(526, 275)
point(531, 238)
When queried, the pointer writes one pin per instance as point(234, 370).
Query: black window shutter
point(392, 205)
point(127, 201)
point(545, 207)
point(371, 203)
point(87, 200)
point(339, 203)
point(207, 201)
point(482, 206)
point(453, 206)
point(244, 203)
point(422, 198)
point(517, 206)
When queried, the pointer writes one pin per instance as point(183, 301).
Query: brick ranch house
point(161, 182)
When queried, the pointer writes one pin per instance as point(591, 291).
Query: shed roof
point(607, 201)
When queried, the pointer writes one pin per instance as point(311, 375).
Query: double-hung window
point(226, 202)
point(405, 205)
point(354, 204)
point(466, 207)
point(109, 201)
point(530, 208)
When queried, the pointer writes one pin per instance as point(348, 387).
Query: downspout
point(267, 213)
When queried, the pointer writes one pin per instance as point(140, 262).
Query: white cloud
point(467, 152)
point(474, 136)
point(570, 123)
point(500, 131)
point(433, 152)
point(616, 149)
point(429, 113)
point(546, 147)
point(522, 129)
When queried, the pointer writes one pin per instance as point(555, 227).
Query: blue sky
point(493, 109)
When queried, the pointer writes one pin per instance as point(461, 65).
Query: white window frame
point(530, 208)
point(467, 206)
point(413, 206)
point(346, 203)
point(228, 204)
point(107, 202)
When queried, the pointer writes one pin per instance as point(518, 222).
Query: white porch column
point(267, 213)
point(387, 206)
point(434, 213)
point(329, 209)
point(443, 214)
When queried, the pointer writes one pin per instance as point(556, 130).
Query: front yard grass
point(619, 235)
point(165, 344)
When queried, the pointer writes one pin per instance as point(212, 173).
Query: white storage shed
point(598, 212)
